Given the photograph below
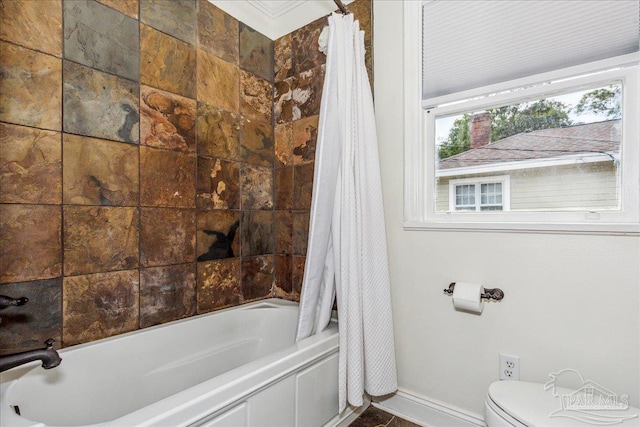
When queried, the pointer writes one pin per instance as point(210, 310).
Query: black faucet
point(48, 355)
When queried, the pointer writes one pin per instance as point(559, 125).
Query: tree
point(458, 139)
point(603, 101)
point(527, 117)
point(507, 121)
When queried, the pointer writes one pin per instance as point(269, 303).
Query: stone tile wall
point(156, 162)
point(136, 166)
point(298, 79)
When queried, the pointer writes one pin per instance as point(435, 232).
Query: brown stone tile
point(102, 38)
point(400, 422)
point(167, 294)
point(363, 12)
point(30, 85)
point(218, 32)
point(283, 275)
point(299, 96)
point(283, 57)
point(305, 135)
point(305, 46)
point(167, 178)
point(99, 172)
point(283, 136)
point(302, 186)
point(255, 97)
point(283, 193)
point(218, 284)
point(257, 233)
point(218, 235)
point(283, 105)
point(30, 165)
point(28, 327)
point(256, 186)
point(300, 232)
point(100, 105)
point(99, 305)
point(218, 184)
point(167, 120)
point(174, 17)
point(307, 93)
point(372, 416)
point(283, 225)
point(218, 82)
point(256, 52)
point(256, 142)
point(167, 63)
point(218, 133)
point(298, 274)
point(31, 239)
point(22, 22)
point(167, 236)
point(128, 7)
point(99, 239)
point(257, 276)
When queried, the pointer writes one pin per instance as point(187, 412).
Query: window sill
point(617, 229)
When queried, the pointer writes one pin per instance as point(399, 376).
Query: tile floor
point(374, 417)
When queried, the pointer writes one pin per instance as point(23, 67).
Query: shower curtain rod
point(342, 7)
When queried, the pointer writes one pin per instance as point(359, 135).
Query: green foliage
point(605, 101)
point(507, 121)
point(458, 139)
point(526, 117)
point(529, 116)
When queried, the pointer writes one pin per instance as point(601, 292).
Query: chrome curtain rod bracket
point(489, 294)
point(342, 7)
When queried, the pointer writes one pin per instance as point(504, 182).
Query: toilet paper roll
point(467, 296)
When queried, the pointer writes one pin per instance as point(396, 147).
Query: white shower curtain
point(347, 249)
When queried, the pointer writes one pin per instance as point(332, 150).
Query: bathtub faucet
point(48, 355)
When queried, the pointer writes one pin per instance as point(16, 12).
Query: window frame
point(478, 182)
point(419, 144)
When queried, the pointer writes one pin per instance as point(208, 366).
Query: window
point(485, 194)
point(539, 144)
point(562, 152)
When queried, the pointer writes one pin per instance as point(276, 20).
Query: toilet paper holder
point(490, 294)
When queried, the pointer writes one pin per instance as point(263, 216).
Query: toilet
point(526, 404)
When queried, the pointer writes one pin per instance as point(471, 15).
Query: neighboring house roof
point(587, 139)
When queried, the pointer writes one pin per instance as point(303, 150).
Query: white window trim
point(502, 179)
point(419, 170)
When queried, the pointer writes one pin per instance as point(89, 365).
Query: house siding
point(568, 187)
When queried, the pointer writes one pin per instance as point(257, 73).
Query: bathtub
point(234, 367)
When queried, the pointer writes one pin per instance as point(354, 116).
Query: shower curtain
point(347, 250)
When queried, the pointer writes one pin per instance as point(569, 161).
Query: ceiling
point(274, 8)
point(275, 18)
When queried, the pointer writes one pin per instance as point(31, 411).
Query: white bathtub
point(235, 367)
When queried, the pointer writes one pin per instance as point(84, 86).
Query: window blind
point(473, 43)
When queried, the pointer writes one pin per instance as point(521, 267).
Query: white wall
point(572, 301)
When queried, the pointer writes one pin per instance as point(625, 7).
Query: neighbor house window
point(486, 194)
point(519, 127)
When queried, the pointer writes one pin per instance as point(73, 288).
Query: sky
point(444, 124)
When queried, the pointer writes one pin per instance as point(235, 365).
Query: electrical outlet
point(509, 367)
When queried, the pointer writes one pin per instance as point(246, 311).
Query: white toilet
point(520, 403)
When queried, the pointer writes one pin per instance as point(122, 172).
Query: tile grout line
point(139, 207)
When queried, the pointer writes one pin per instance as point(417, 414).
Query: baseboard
point(426, 411)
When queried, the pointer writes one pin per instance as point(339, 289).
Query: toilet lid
point(534, 406)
